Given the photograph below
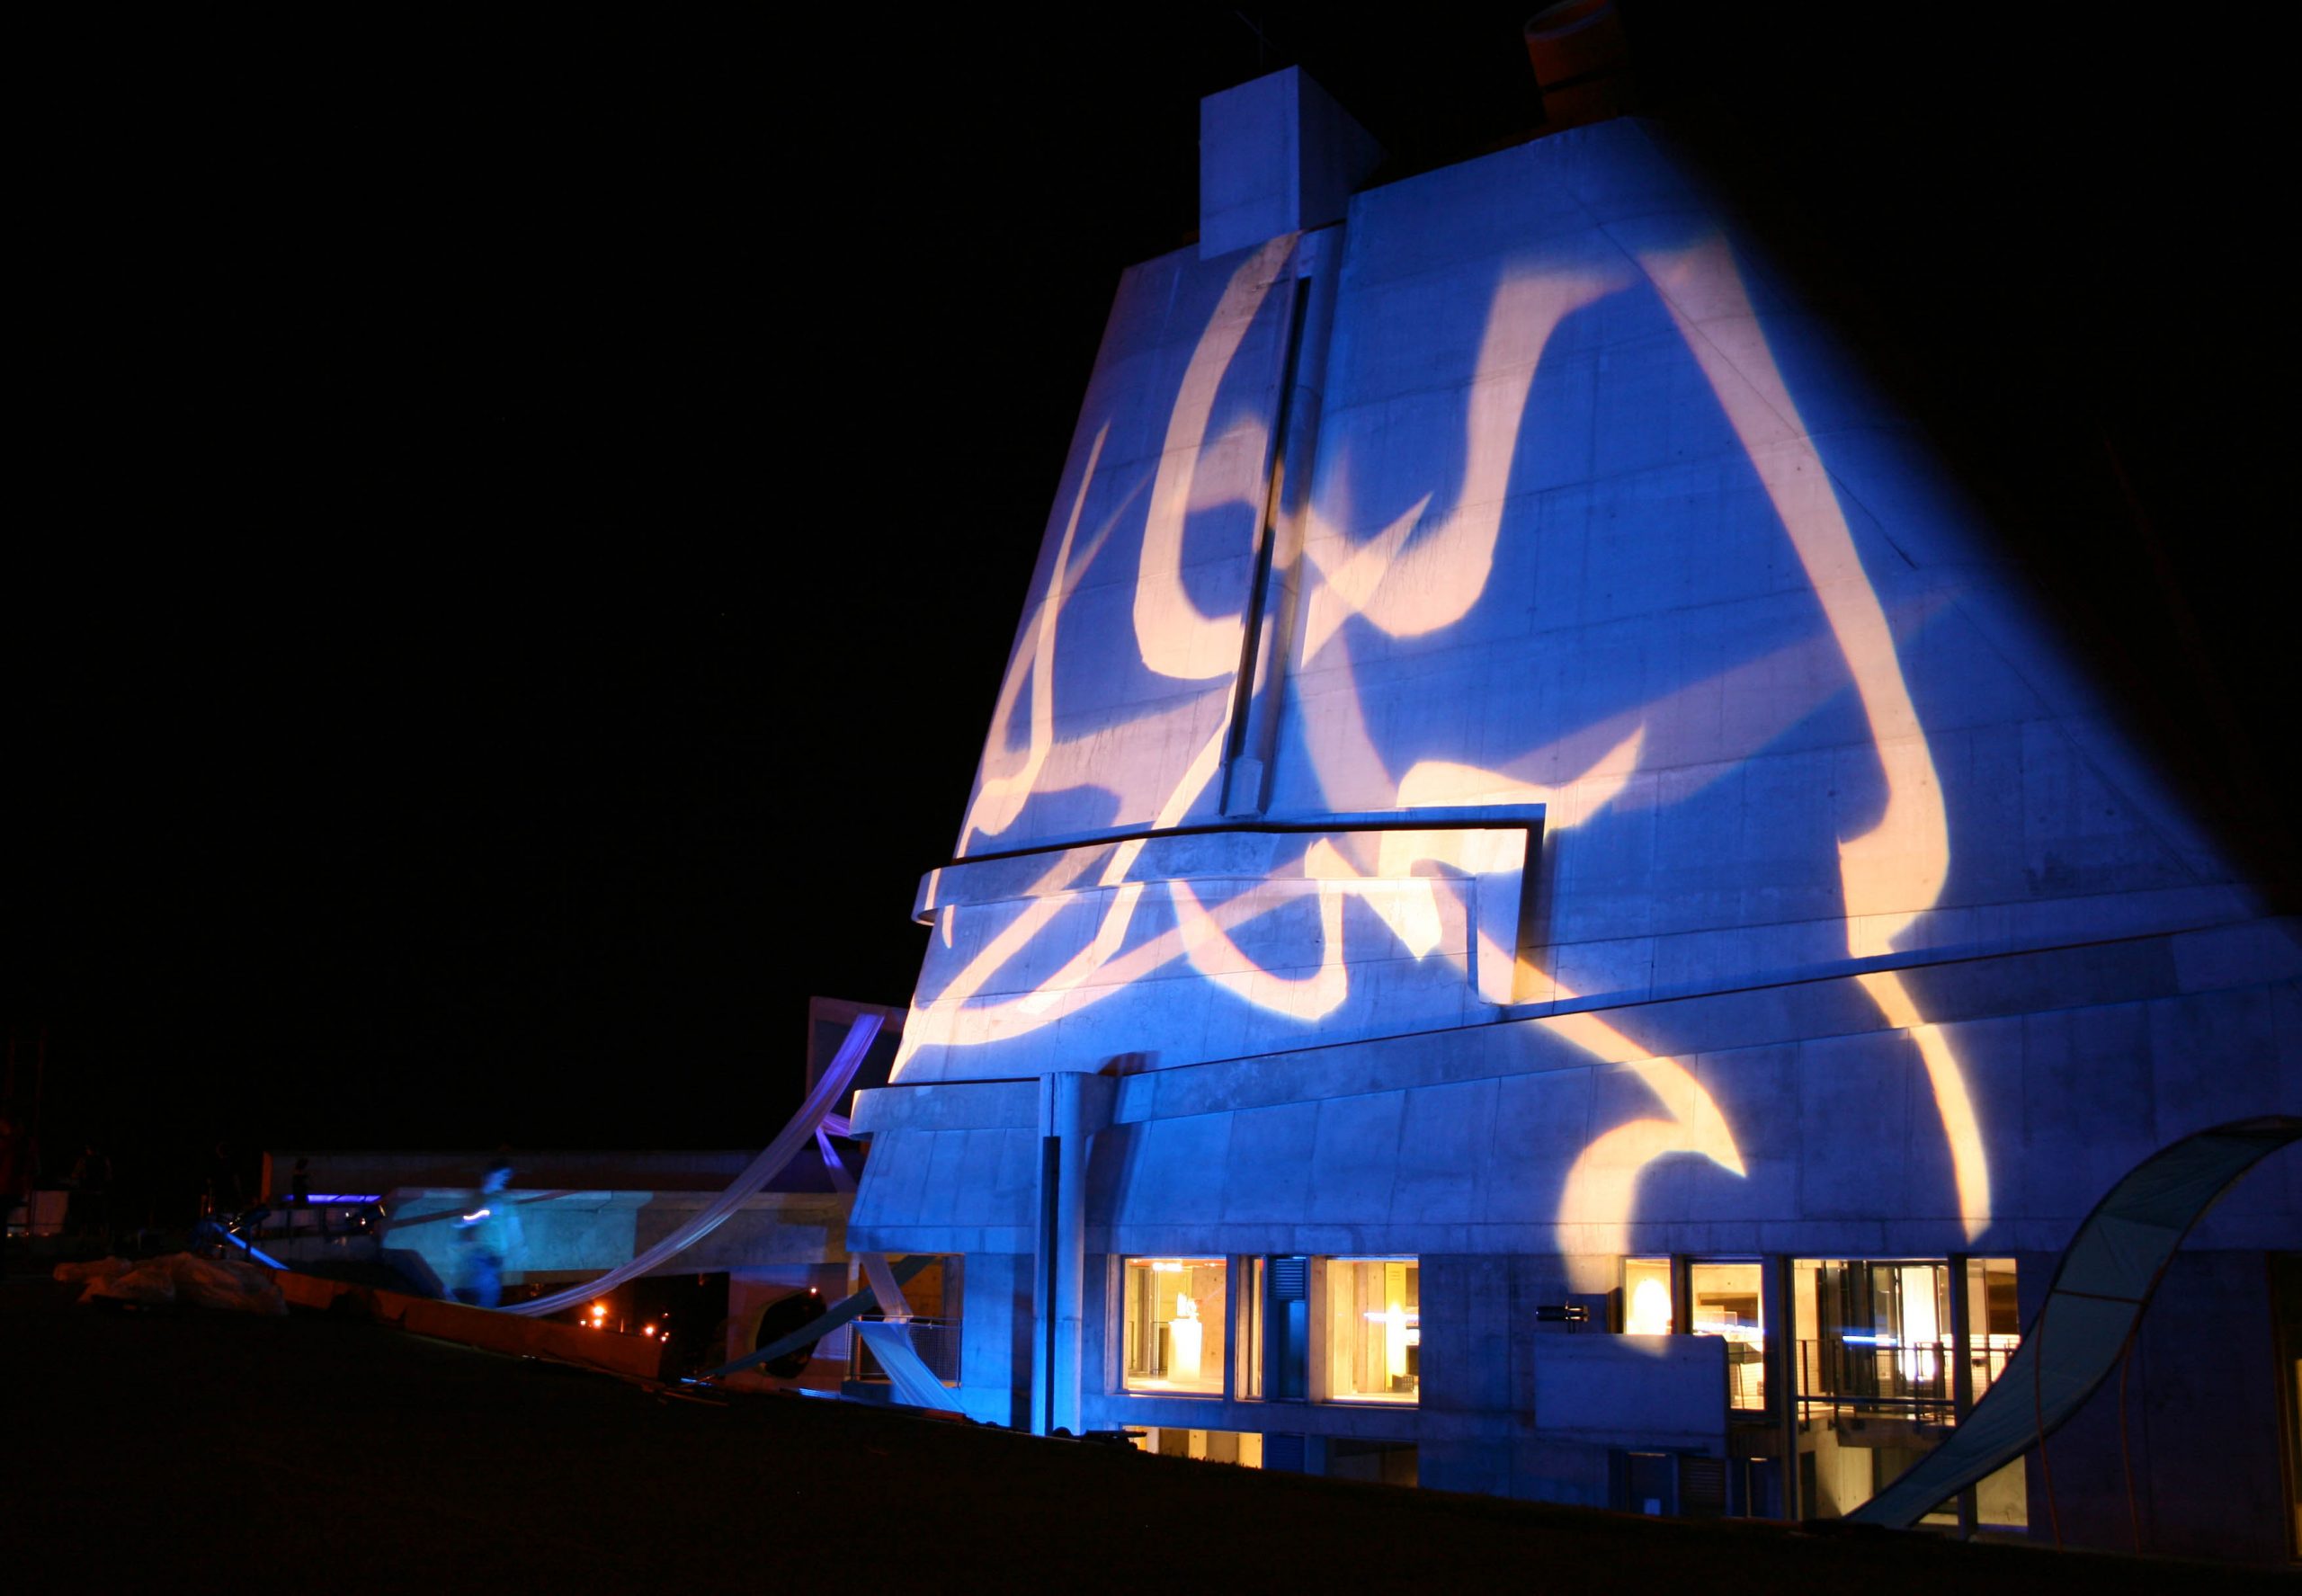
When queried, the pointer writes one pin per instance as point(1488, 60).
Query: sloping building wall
point(1516, 757)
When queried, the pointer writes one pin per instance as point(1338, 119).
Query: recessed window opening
point(1879, 1354)
point(1646, 1297)
point(1174, 1324)
point(1725, 1301)
point(1374, 1329)
point(1243, 1448)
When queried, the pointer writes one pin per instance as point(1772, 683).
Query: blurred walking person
point(490, 1233)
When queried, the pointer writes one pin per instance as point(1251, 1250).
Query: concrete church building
point(1539, 913)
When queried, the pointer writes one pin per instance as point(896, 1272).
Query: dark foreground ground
point(199, 1451)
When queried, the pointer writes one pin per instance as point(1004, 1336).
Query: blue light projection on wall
point(1497, 589)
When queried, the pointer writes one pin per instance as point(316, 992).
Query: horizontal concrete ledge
point(968, 1239)
point(1825, 1001)
point(1437, 816)
point(2128, 970)
point(2125, 970)
point(947, 1105)
point(2252, 953)
point(1245, 850)
point(1695, 961)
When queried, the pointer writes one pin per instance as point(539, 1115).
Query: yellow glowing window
point(1175, 1325)
point(1374, 1315)
point(1993, 1321)
point(1646, 1297)
point(1242, 1447)
point(1727, 1303)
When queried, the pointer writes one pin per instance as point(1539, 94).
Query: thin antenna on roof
point(1261, 41)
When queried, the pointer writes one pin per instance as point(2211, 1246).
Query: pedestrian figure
point(490, 1232)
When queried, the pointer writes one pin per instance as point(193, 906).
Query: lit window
point(1175, 1325)
point(1727, 1303)
point(1244, 1449)
point(1374, 1329)
point(1646, 1297)
point(1878, 1337)
point(1995, 1323)
point(1873, 1333)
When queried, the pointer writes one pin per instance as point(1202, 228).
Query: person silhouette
point(490, 1232)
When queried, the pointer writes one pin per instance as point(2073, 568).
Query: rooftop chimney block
point(1275, 156)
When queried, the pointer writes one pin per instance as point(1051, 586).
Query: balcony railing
point(1878, 1374)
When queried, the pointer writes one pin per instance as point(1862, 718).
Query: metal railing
point(1904, 1379)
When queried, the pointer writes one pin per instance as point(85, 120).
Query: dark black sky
point(521, 532)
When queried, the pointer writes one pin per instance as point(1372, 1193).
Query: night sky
point(525, 531)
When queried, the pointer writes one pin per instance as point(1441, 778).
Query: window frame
point(1324, 1373)
point(1219, 1356)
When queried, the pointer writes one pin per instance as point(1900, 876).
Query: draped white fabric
point(892, 1305)
point(916, 1383)
point(756, 1174)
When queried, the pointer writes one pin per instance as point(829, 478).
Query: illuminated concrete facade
point(1516, 762)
